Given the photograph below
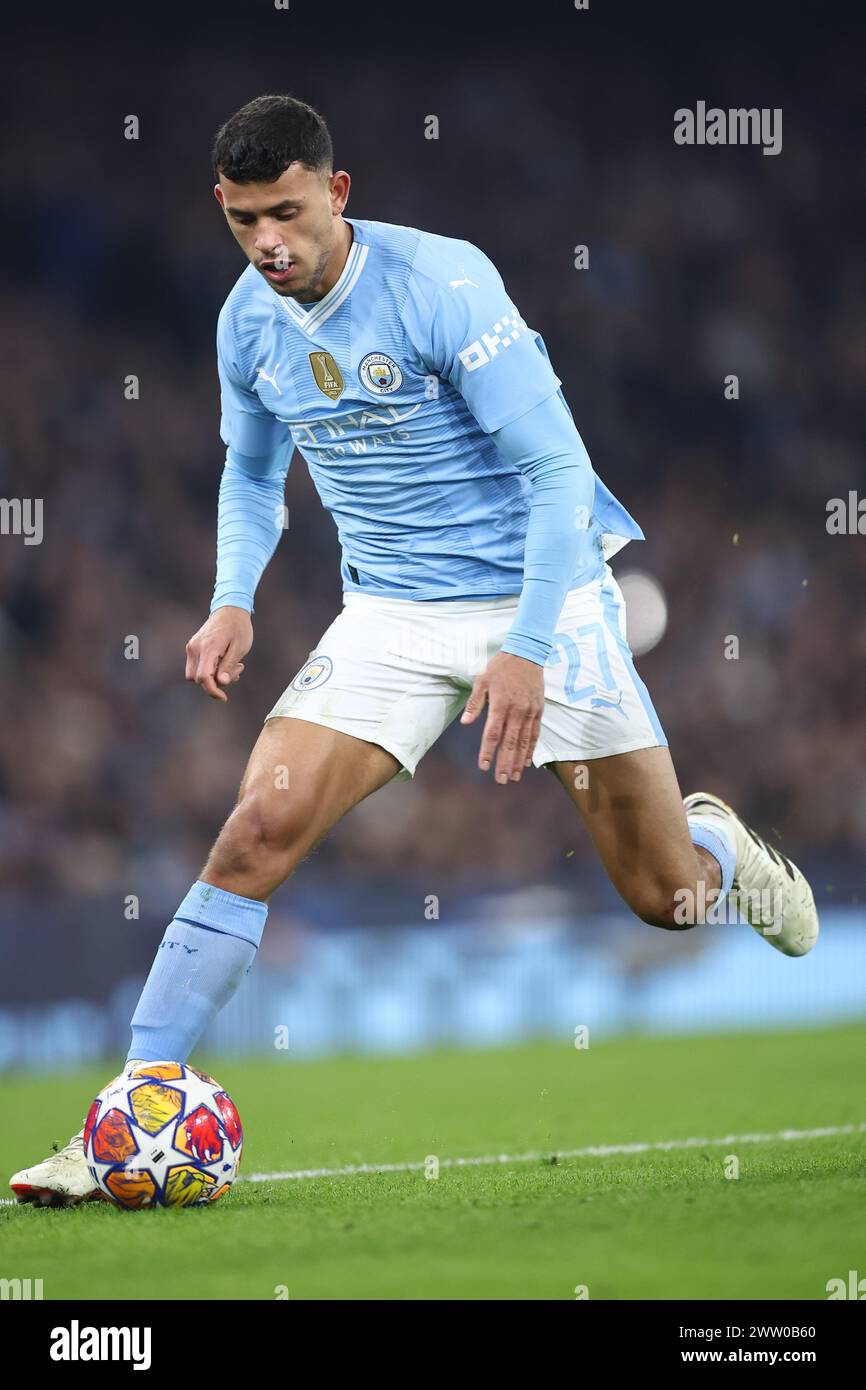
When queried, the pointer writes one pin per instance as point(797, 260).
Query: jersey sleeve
point(469, 332)
point(249, 524)
point(246, 427)
point(561, 550)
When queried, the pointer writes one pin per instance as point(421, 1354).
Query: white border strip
point(787, 1136)
point(329, 306)
point(310, 319)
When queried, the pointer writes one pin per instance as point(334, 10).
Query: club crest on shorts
point(380, 374)
point(316, 672)
point(327, 374)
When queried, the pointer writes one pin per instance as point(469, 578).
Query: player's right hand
point(214, 654)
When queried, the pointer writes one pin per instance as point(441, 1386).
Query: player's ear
point(218, 194)
point(339, 185)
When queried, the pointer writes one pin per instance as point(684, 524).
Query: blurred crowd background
point(115, 775)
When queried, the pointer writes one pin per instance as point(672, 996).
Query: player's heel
point(768, 889)
point(61, 1180)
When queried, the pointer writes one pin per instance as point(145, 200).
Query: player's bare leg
point(633, 809)
point(300, 780)
point(632, 806)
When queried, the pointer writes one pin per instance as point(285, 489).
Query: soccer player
point(476, 541)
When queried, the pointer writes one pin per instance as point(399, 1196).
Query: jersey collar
point(310, 320)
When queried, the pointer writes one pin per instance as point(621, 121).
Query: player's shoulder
point(444, 261)
point(428, 260)
point(246, 292)
point(247, 309)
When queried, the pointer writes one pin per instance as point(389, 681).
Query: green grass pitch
point(666, 1223)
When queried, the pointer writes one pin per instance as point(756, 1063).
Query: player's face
point(288, 229)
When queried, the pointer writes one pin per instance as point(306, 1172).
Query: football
point(162, 1134)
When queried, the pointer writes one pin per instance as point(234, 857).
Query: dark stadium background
point(556, 128)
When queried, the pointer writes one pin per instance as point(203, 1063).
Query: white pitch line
point(591, 1151)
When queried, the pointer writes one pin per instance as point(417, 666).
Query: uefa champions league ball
point(163, 1135)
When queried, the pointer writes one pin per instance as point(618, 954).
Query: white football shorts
point(397, 671)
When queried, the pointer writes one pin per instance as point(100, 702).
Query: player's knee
point(659, 905)
point(259, 828)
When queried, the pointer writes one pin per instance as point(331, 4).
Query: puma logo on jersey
point(455, 284)
point(272, 380)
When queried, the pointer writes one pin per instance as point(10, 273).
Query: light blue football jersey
point(390, 388)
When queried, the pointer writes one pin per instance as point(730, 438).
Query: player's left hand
point(514, 691)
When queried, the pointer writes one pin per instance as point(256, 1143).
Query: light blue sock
point(714, 839)
point(205, 953)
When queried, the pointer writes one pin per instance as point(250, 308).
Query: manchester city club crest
point(380, 374)
point(316, 672)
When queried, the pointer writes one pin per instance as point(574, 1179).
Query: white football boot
point(63, 1180)
point(773, 895)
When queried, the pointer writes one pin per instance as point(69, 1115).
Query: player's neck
point(337, 261)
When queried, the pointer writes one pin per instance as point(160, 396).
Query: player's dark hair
point(259, 142)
